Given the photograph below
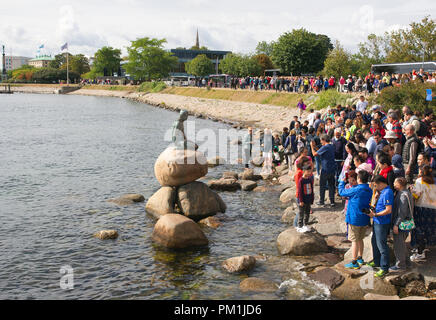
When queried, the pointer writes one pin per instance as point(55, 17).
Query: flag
point(65, 46)
point(41, 46)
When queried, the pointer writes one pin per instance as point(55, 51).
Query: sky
point(236, 26)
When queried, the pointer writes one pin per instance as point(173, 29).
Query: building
point(186, 55)
point(15, 62)
point(41, 61)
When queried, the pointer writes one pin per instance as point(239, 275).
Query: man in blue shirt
point(328, 168)
point(381, 225)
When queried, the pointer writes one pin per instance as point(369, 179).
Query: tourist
point(328, 167)
point(410, 118)
point(268, 142)
point(348, 163)
point(370, 142)
point(357, 221)
point(300, 163)
point(402, 214)
point(305, 198)
point(381, 226)
point(360, 165)
point(395, 125)
point(362, 104)
point(410, 152)
point(367, 158)
point(301, 106)
point(377, 126)
point(424, 191)
point(386, 169)
point(292, 124)
point(311, 117)
point(393, 141)
point(339, 142)
point(247, 146)
point(380, 142)
point(397, 164)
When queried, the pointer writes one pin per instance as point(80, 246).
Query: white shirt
point(426, 194)
point(311, 118)
point(361, 106)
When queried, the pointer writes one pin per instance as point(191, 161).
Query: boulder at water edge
point(177, 231)
point(224, 184)
point(197, 201)
point(248, 185)
point(295, 243)
point(127, 199)
point(162, 202)
point(176, 167)
point(239, 264)
point(248, 174)
point(257, 285)
point(288, 196)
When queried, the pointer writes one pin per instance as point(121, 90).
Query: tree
point(107, 61)
point(301, 51)
point(240, 65)
point(414, 43)
point(59, 60)
point(200, 66)
point(264, 47)
point(148, 60)
point(264, 61)
point(372, 51)
point(337, 63)
point(78, 64)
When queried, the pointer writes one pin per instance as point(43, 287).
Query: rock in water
point(213, 162)
point(238, 264)
point(327, 276)
point(248, 185)
point(162, 202)
point(211, 222)
point(128, 199)
point(197, 201)
point(224, 184)
point(289, 215)
point(257, 285)
point(178, 167)
point(177, 231)
point(292, 242)
point(248, 174)
point(230, 175)
point(106, 234)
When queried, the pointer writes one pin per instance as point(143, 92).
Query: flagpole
point(68, 79)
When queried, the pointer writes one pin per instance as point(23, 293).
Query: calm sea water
point(62, 157)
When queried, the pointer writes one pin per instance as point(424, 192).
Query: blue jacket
point(359, 198)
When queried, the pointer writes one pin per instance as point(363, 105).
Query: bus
point(400, 68)
point(221, 80)
point(180, 81)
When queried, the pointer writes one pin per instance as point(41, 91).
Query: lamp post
point(423, 55)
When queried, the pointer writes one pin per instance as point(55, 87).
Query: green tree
point(148, 60)
point(78, 64)
point(372, 51)
point(240, 65)
point(59, 60)
point(230, 64)
point(200, 66)
point(337, 63)
point(414, 43)
point(264, 47)
point(301, 51)
point(107, 61)
point(264, 61)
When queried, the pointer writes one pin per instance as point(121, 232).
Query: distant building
point(41, 61)
point(14, 62)
point(186, 55)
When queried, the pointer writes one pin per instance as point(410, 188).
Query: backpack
point(423, 129)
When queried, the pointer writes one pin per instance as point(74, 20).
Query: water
point(62, 157)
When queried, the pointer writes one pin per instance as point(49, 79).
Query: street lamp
point(423, 55)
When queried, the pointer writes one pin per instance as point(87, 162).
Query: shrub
point(331, 98)
point(411, 94)
point(155, 86)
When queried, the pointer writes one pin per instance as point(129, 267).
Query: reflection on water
point(63, 157)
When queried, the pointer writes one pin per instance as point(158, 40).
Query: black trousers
point(304, 214)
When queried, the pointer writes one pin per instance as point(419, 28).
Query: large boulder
point(224, 185)
point(287, 196)
point(289, 215)
point(176, 167)
point(293, 242)
point(177, 231)
point(230, 175)
point(331, 278)
point(197, 201)
point(286, 179)
point(239, 264)
point(357, 288)
point(162, 202)
point(414, 288)
point(258, 285)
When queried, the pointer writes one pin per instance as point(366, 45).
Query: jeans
point(304, 214)
point(338, 171)
point(380, 249)
point(327, 179)
point(318, 164)
point(400, 250)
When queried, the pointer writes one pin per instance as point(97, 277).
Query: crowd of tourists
point(382, 163)
point(371, 83)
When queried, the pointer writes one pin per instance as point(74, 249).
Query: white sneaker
point(417, 257)
point(300, 230)
point(306, 229)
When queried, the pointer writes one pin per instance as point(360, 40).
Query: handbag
point(409, 224)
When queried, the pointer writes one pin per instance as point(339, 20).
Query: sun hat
point(390, 135)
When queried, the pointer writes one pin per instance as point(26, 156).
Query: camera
point(368, 210)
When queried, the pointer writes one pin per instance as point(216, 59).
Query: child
point(305, 198)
